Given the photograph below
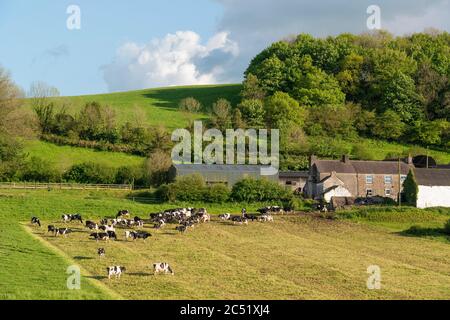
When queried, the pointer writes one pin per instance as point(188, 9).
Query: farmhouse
point(351, 178)
point(433, 187)
point(221, 173)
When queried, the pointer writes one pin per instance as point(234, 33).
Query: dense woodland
point(377, 85)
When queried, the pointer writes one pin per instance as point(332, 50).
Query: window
point(387, 192)
point(369, 192)
point(387, 179)
point(369, 179)
point(289, 183)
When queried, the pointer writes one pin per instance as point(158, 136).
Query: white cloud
point(177, 59)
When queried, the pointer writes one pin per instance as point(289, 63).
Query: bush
point(251, 190)
point(128, 175)
point(190, 188)
point(39, 170)
point(218, 193)
point(90, 173)
point(447, 227)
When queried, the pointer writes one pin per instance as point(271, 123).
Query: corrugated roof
point(432, 177)
point(293, 174)
point(362, 167)
point(219, 167)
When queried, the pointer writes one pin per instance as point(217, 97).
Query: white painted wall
point(337, 192)
point(433, 197)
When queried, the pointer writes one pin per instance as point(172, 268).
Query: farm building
point(351, 178)
point(221, 173)
point(433, 187)
point(295, 180)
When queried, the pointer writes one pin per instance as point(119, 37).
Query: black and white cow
point(122, 213)
point(239, 220)
point(112, 235)
point(99, 236)
point(62, 232)
point(51, 229)
point(266, 218)
point(91, 225)
point(250, 217)
point(66, 218)
point(225, 216)
point(101, 252)
point(77, 217)
point(115, 271)
point(162, 267)
point(36, 221)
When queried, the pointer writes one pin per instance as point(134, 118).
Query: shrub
point(218, 193)
point(189, 188)
point(39, 170)
point(251, 190)
point(90, 173)
point(447, 227)
point(128, 175)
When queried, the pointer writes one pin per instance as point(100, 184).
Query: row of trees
point(95, 126)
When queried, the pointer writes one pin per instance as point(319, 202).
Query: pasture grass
point(296, 257)
point(63, 157)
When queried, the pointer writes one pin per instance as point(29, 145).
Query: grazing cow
point(104, 222)
point(225, 216)
point(239, 220)
point(250, 217)
point(162, 267)
point(142, 235)
point(91, 225)
point(51, 229)
point(107, 228)
point(115, 271)
point(62, 231)
point(181, 229)
point(36, 221)
point(66, 218)
point(122, 213)
point(112, 235)
point(77, 217)
point(100, 236)
point(101, 252)
point(130, 234)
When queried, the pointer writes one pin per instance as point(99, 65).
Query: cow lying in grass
point(71, 217)
point(265, 218)
point(137, 235)
point(115, 271)
point(239, 220)
point(225, 216)
point(162, 267)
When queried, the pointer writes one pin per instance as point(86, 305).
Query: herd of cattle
point(185, 218)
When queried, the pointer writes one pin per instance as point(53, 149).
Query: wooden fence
point(63, 186)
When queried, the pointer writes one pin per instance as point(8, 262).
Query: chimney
point(312, 159)
point(345, 159)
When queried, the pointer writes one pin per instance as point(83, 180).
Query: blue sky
point(135, 44)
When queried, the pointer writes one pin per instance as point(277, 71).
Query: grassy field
point(296, 257)
point(64, 157)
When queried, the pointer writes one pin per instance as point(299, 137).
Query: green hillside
point(160, 106)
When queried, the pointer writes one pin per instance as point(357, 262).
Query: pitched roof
point(432, 177)
point(362, 167)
